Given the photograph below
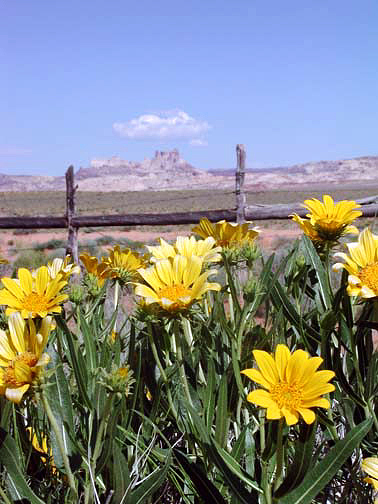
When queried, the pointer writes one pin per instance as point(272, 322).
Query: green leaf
point(231, 475)
point(235, 468)
point(318, 477)
point(152, 483)
point(281, 301)
point(60, 401)
point(80, 371)
point(89, 342)
point(302, 459)
point(205, 488)
point(222, 417)
point(17, 484)
point(209, 396)
point(321, 274)
point(121, 476)
point(6, 412)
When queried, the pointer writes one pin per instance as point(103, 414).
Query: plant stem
point(279, 455)
point(101, 430)
point(116, 300)
point(180, 359)
point(161, 369)
point(59, 439)
point(265, 483)
point(97, 450)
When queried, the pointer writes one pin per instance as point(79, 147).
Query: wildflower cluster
point(115, 373)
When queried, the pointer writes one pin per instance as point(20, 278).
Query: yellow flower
point(187, 246)
point(175, 284)
point(370, 466)
point(33, 296)
point(63, 267)
point(308, 229)
point(21, 355)
point(293, 384)
point(362, 265)
point(42, 449)
point(122, 264)
point(328, 221)
point(227, 234)
point(94, 268)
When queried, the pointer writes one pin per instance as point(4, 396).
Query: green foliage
point(137, 409)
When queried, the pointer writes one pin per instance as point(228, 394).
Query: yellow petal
point(15, 394)
point(145, 291)
point(256, 376)
point(291, 417)
point(267, 366)
point(26, 280)
point(13, 287)
point(273, 413)
point(16, 326)
point(281, 355)
point(370, 466)
point(42, 280)
point(7, 353)
point(296, 366)
point(261, 398)
point(307, 415)
point(319, 402)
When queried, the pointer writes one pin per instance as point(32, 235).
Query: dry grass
point(97, 203)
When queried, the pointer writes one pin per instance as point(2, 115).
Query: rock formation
point(168, 170)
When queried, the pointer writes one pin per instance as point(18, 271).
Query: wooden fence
point(240, 213)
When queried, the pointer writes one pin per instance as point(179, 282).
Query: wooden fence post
point(239, 181)
point(72, 245)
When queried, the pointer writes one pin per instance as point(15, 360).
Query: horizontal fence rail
point(251, 213)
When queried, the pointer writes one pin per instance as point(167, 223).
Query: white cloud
point(198, 142)
point(168, 125)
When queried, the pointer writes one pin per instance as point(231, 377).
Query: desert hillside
point(169, 171)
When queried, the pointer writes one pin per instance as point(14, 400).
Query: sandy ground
point(10, 243)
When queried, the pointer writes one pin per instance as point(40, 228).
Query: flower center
point(35, 303)
point(369, 276)
point(287, 396)
point(174, 292)
point(27, 358)
point(123, 372)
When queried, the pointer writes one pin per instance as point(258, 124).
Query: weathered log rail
point(254, 213)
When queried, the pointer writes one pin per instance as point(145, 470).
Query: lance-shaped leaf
point(318, 477)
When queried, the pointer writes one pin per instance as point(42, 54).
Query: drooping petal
point(16, 326)
point(307, 415)
point(16, 394)
point(291, 416)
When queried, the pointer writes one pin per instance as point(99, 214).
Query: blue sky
point(294, 81)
